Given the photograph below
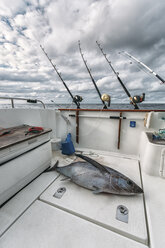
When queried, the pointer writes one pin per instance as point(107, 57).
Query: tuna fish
point(98, 178)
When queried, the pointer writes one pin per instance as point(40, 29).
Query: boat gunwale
point(114, 110)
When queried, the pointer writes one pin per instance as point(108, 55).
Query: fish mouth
point(139, 190)
point(136, 190)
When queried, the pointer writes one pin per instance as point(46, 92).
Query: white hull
point(35, 218)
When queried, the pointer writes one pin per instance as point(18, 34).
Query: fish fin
point(94, 163)
point(53, 168)
point(97, 190)
point(66, 179)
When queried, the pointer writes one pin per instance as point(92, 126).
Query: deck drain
point(60, 192)
point(122, 213)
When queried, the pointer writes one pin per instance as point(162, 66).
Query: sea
point(152, 106)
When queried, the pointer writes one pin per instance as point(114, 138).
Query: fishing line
point(95, 124)
point(117, 76)
point(138, 65)
point(142, 69)
point(86, 125)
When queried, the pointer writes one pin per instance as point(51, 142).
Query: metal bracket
point(60, 192)
point(122, 213)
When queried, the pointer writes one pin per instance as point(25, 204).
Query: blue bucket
point(67, 146)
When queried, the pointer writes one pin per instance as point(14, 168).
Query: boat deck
point(34, 217)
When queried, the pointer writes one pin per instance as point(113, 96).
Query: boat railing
point(22, 99)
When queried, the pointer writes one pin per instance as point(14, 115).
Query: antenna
point(145, 66)
point(117, 75)
point(85, 62)
point(59, 74)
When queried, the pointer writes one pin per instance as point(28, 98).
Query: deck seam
point(144, 203)
point(114, 230)
point(37, 198)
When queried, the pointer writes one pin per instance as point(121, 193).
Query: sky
point(135, 26)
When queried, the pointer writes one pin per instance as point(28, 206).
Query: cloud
point(11, 7)
point(134, 26)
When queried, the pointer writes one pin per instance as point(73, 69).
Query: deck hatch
point(101, 208)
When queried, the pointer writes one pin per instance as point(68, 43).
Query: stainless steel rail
point(24, 99)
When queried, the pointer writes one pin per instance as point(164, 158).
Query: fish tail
point(54, 167)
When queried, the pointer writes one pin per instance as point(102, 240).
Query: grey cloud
point(21, 77)
point(135, 26)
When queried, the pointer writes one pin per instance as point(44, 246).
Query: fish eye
point(129, 182)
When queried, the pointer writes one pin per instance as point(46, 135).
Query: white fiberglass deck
point(80, 218)
point(155, 207)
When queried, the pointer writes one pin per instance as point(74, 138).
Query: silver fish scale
point(91, 177)
point(91, 180)
point(85, 175)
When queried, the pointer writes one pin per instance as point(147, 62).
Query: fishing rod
point(76, 99)
point(145, 66)
point(133, 101)
point(85, 62)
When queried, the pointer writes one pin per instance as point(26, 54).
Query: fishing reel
point(137, 99)
point(106, 98)
point(77, 99)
